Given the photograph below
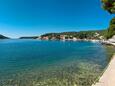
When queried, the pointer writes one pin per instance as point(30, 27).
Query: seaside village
point(95, 38)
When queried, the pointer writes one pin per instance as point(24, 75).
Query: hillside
point(78, 35)
point(97, 34)
point(3, 37)
point(31, 37)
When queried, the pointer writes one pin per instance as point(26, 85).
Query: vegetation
point(33, 37)
point(79, 35)
point(111, 29)
point(109, 5)
point(3, 37)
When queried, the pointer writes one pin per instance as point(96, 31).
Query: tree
point(111, 29)
point(109, 5)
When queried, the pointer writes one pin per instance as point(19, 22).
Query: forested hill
point(70, 35)
point(31, 37)
point(3, 37)
point(80, 35)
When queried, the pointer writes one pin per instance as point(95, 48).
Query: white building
point(96, 34)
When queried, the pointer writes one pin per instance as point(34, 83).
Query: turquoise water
point(51, 63)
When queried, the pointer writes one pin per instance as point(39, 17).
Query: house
point(96, 34)
point(45, 38)
point(62, 37)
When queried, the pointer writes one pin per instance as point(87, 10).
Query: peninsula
point(3, 37)
point(82, 35)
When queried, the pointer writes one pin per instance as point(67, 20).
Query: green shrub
point(111, 29)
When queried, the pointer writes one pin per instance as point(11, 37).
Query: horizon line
point(49, 32)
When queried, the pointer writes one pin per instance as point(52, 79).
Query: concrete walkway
point(108, 78)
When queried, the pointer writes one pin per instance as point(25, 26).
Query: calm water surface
point(39, 63)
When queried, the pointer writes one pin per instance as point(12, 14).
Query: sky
point(36, 17)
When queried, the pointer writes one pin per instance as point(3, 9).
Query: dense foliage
point(111, 29)
point(109, 5)
point(79, 35)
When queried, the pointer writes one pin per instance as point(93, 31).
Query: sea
point(51, 63)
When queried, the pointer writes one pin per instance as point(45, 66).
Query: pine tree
point(109, 5)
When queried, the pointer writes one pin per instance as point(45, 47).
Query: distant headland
point(3, 37)
point(97, 34)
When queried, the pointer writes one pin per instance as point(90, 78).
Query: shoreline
point(108, 77)
point(108, 43)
